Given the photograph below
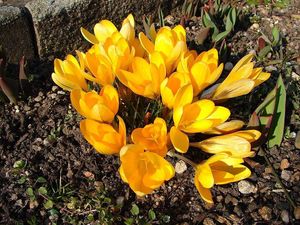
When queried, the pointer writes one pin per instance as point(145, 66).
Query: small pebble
point(286, 175)
point(254, 26)
point(285, 216)
point(208, 221)
point(54, 88)
point(245, 187)
point(284, 164)
point(61, 92)
point(180, 167)
point(228, 66)
point(38, 99)
point(266, 213)
point(270, 68)
point(297, 213)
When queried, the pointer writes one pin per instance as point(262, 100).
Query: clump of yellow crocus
point(173, 80)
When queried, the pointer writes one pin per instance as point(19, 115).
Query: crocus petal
point(239, 88)
point(179, 140)
point(204, 192)
point(184, 96)
point(88, 36)
point(146, 43)
point(249, 135)
point(234, 145)
point(227, 127)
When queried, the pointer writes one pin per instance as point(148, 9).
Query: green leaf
point(151, 215)
point(41, 180)
point(48, 204)
point(262, 53)
point(30, 192)
point(276, 36)
point(221, 36)
point(271, 114)
point(277, 128)
point(90, 217)
point(135, 210)
point(42, 190)
point(207, 22)
point(22, 180)
point(129, 221)
point(20, 164)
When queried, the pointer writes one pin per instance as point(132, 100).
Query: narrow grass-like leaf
point(7, 91)
point(276, 36)
point(277, 128)
point(271, 114)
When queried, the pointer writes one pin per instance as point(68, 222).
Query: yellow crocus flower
point(170, 86)
point(145, 78)
point(152, 137)
point(144, 171)
point(241, 80)
point(103, 137)
point(203, 70)
point(105, 29)
point(227, 127)
point(101, 107)
point(69, 74)
point(218, 169)
point(237, 144)
point(171, 43)
point(196, 117)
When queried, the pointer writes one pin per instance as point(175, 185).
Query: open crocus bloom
point(218, 169)
point(105, 29)
point(144, 171)
point(116, 50)
point(145, 78)
point(103, 137)
point(203, 70)
point(69, 74)
point(170, 86)
point(241, 80)
point(99, 66)
point(101, 107)
point(153, 137)
point(237, 144)
point(198, 116)
point(171, 43)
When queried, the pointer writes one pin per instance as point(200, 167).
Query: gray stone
point(16, 36)
point(245, 187)
point(57, 22)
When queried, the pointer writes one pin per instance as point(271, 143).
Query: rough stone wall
point(46, 29)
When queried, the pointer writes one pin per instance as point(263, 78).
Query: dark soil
point(43, 132)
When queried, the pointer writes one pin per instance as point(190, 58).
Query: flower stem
point(172, 154)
